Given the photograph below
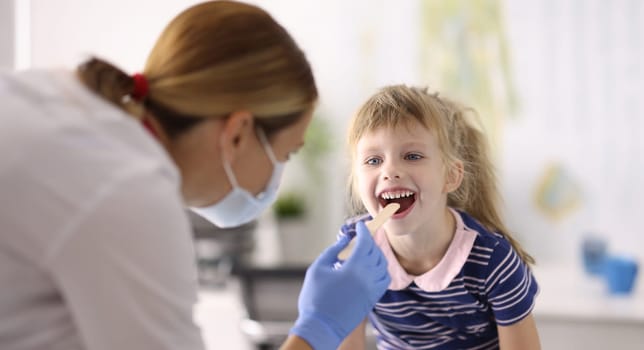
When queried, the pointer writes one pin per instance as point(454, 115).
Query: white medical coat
point(95, 246)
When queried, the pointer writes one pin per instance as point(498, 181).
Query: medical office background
point(558, 85)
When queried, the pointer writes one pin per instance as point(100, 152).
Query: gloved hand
point(334, 300)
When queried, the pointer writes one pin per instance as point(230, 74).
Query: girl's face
point(403, 165)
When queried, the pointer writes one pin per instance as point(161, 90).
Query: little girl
point(459, 280)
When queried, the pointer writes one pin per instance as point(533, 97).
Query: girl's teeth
point(396, 195)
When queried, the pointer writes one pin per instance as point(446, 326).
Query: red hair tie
point(140, 90)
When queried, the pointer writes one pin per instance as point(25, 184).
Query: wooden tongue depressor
point(373, 226)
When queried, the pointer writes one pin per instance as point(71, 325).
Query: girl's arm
point(293, 342)
point(519, 336)
point(356, 339)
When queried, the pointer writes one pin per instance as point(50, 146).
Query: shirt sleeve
point(126, 268)
point(510, 286)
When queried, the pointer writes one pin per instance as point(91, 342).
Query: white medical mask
point(239, 206)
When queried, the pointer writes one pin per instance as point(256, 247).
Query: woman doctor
point(97, 166)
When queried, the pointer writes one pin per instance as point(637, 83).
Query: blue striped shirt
point(491, 286)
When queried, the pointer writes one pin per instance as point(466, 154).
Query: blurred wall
point(7, 34)
point(579, 68)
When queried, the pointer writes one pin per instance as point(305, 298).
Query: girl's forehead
point(400, 136)
point(408, 129)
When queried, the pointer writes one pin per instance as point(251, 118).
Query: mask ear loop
point(231, 176)
point(229, 170)
point(269, 152)
point(267, 146)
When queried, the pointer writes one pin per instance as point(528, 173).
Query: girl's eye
point(413, 156)
point(373, 161)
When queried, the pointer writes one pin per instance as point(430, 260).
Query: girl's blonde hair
point(215, 58)
point(459, 137)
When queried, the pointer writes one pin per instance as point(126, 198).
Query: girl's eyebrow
point(409, 144)
point(412, 144)
point(370, 149)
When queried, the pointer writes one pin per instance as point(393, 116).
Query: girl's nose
point(389, 172)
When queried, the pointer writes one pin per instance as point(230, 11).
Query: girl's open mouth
point(405, 198)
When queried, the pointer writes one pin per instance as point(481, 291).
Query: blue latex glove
point(334, 300)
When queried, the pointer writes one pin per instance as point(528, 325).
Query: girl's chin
point(397, 229)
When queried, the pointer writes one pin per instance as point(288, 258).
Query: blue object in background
point(593, 253)
point(620, 274)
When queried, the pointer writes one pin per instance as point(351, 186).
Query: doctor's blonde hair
point(460, 139)
point(215, 58)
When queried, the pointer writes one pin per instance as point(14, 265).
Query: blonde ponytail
point(478, 194)
point(109, 82)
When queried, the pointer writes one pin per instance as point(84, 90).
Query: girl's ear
point(454, 176)
point(237, 132)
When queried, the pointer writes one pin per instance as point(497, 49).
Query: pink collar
point(439, 277)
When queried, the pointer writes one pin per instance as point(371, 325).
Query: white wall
point(579, 66)
point(7, 34)
point(64, 32)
